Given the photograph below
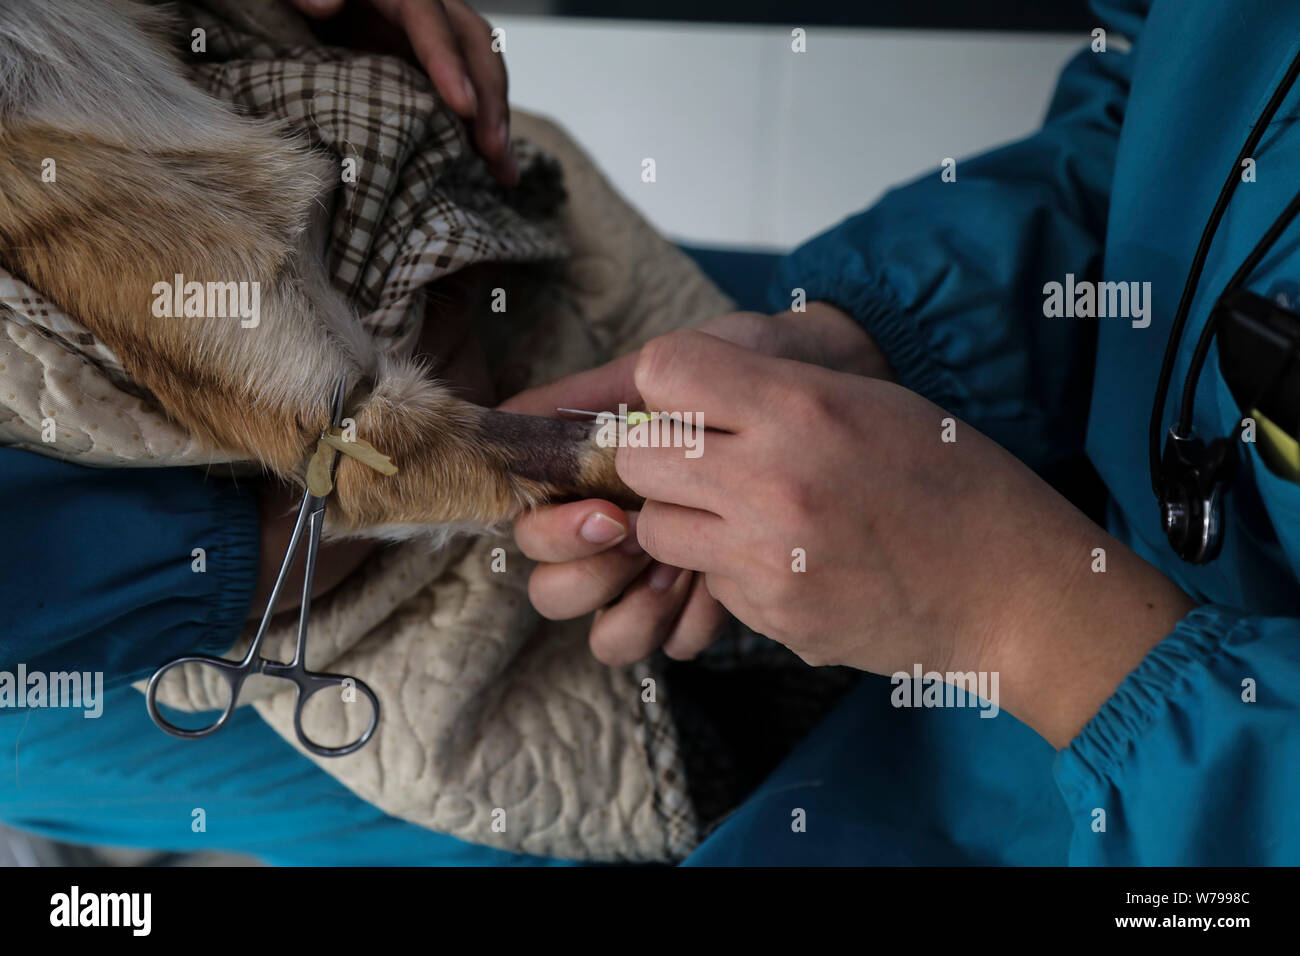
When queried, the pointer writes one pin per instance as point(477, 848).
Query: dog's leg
point(121, 221)
point(156, 180)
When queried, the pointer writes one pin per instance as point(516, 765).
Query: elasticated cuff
point(234, 564)
point(1099, 751)
point(875, 307)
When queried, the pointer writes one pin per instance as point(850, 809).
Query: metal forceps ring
point(311, 516)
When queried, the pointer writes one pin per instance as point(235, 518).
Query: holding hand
point(831, 514)
point(454, 44)
point(590, 558)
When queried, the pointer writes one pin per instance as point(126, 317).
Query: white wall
point(758, 146)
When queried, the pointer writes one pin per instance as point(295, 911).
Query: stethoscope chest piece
point(1190, 478)
point(1194, 477)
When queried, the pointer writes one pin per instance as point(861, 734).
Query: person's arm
point(120, 570)
point(1195, 759)
point(101, 569)
point(947, 277)
point(827, 512)
point(856, 536)
point(457, 48)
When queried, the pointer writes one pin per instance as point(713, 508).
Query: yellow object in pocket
point(1280, 451)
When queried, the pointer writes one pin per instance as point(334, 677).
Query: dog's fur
point(156, 178)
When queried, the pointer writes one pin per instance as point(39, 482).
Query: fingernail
point(663, 577)
point(469, 94)
point(601, 529)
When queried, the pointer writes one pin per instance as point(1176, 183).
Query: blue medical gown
point(1196, 757)
point(97, 573)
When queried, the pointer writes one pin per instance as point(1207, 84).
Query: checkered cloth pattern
point(414, 205)
point(415, 202)
point(24, 307)
point(672, 796)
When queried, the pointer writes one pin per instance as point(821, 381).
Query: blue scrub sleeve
point(947, 277)
point(98, 570)
point(1195, 759)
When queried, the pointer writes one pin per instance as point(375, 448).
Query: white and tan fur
point(157, 178)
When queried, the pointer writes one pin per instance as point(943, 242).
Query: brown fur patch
point(123, 216)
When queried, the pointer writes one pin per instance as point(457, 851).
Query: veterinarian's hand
point(588, 555)
point(832, 515)
point(588, 550)
point(591, 561)
point(454, 44)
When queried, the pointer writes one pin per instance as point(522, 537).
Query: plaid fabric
point(672, 797)
point(422, 205)
point(24, 306)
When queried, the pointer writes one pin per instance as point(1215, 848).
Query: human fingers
point(561, 592)
point(577, 529)
point(697, 625)
point(486, 68)
point(682, 537)
point(639, 623)
point(720, 384)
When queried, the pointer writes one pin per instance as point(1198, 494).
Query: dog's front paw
point(551, 459)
